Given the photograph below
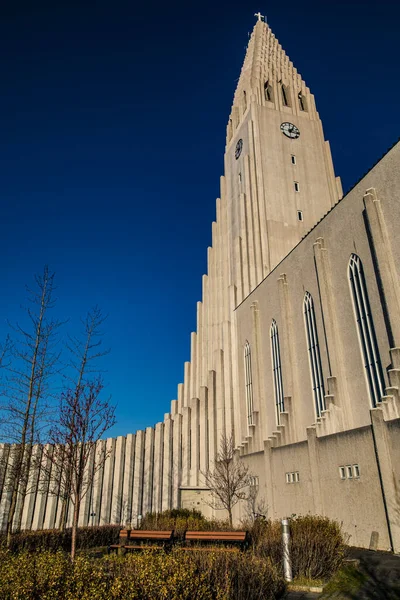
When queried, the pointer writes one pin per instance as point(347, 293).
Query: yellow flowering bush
point(179, 575)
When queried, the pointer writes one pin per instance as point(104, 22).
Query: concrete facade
point(282, 229)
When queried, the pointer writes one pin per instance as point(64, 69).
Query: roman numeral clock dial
point(290, 130)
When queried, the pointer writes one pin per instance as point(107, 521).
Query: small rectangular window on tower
point(296, 186)
point(356, 471)
point(293, 159)
point(349, 472)
point(342, 472)
point(300, 215)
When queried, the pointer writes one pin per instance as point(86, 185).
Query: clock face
point(290, 130)
point(238, 149)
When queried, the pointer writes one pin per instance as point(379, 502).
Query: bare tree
point(229, 478)
point(33, 363)
point(84, 352)
point(256, 506)
point(83, 419)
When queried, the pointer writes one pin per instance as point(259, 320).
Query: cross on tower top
point(259, 16)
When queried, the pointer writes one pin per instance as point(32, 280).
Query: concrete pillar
point(203, 431)
point(389, 483)
point(186, 445)
point(42, 489)
point(212, 410)
point(148, 471)
point(199, 349)
point(313, 458)
point(108, 479)
point(167, 471)
point(127, 488)
point(388, 270)
point(158, 467)
point(332, 329)
point(193, 365)
point(186, 384)
point(228, 385)
point(118, 480)
point(180, 397)
point(249, 226)
point(6, 495)
point(176, 458)
point(86, 503)
point(195, 439)
point(288, 354)
point(253, 189)
point(269, 478)
point(52, 497)
point(220, 395)
point(98, 482)
point(4, 452)
point(32, 487)
point(137, 494)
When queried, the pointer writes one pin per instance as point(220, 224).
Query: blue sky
point(112, 120)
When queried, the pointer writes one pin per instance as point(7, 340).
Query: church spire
point(269, 78)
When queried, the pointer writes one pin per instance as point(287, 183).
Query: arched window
point(268, 93)
point(366, 330)
point(317, 378)
point(285, 95)
point(302, 102)
point(244, 100)
point(248, 383)
point(277, 371)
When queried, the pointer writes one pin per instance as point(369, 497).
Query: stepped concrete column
point(212, 409)
point(203, 432)
point(127, 488)
point(137, 493)
point(186, 445)
point(32, 487)
point(167, 471)
point(387, 470)
point(332, 328)
point(388, 270)
point(176, 459)
point(98, 483)
point(108, 478)
point(158, 467)
point(148, 471)
point(118, 480)
point(195, 439)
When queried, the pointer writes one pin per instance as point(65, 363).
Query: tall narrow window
point(285, 95)
point(268, 94)
point(248, 383)
point(317, 379)
point(244, 100)
point(366, 330)
point(302, 102)
point(277, 371)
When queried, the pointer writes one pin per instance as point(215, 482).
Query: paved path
point(382, 570)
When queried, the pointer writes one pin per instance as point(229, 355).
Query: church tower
point(279, 182)
point(278, 167)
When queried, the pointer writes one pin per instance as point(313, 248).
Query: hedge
point(146, 576)
point(53, 539)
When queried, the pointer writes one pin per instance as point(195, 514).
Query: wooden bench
point(123, 538)
point(143, 540)
point(224, 540)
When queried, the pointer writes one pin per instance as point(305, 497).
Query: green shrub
point(53, 540)
point(147, 576)
point(182, 520)
point(316, 545)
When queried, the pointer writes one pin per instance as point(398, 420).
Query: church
point(296, 352)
